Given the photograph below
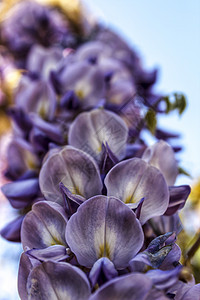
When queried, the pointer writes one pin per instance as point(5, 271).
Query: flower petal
point(164, 279)
point(36, 96)
point(135, 286)
point(11, 231)
point(161, 156)
point(134, 179)
point(44, 226)
point(192, 293)
point(92, 129)
point(54, 253)
point(75, 169)
point(102, 271)
point(25, 266)
point(57, 281)
point(86, 80)
point(104, 227)
point(21, 193)
point(178, 197)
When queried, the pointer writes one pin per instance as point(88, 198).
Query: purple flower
point(132, 180)
point(161, 156)
point(85, 79)
point(91, 130)
point(30, 23)
point(51, 280)
point(42, 61)
point(75, 169)
point(134, 286)
point(160, 253)
point(36, 96)
point(104, 227)
point(44, 226)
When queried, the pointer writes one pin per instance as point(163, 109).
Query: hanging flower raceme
point(97, 207)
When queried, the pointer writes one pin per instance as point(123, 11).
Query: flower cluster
point(98, 209)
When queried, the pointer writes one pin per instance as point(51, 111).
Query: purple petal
point(102, 271)
point(92, 129)
point(43, 60)
point(39, 140)
point(71, 201)
point(145, 258)
point(54, 253)
point(86, 80)
point(161, 156)
point(164, 279)
point(25, 266)
point(164, 224)
point(44, 226)
point(49, 129)
point(172, 259)
point(130, 287)
point(157, 254)
point(178, 197)
point(92, 48)
point(21, 193)
point(155, 294)
point(50, 281)
point(192, 293)
point(160, 241)
point(11, 231)
point(21, 119)
point(37, 97)
point(69, 100)
point(20, 158)
point(75, 169)
point(104, 227)
point(121, 91)
point(108, 159)
point(134, 179)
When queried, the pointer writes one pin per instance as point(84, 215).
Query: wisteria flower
point(104, 227)
point(53, 280)
point(75, 169)
point(161, 156)
point(133, 180)
point(44, 226)
point(91, 130)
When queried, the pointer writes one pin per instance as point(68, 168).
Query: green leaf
point(175, 101)
point(151, 120)
point(180, 101)
point(183, 172)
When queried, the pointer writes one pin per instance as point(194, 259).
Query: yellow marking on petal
point(42, 109)
point(30, 160)
point(104, 250)
point(80, 94)
point(55, 241)
point(99, 149)
point(76, 191)
point(130, 199)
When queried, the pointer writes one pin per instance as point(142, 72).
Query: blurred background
point(167, 36)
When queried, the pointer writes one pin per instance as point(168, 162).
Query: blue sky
point(167, 35)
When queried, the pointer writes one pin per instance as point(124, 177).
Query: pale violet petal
point(104, 227)
point(134, 179)
point(44, 226)
point(75, 169)
point(92, 129)
point(161, 156)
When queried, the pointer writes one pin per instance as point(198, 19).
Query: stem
point(191, 252)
